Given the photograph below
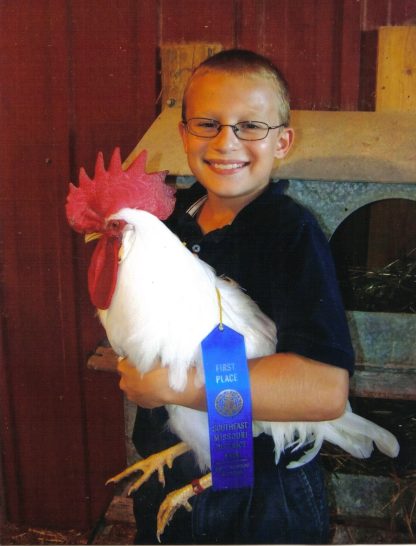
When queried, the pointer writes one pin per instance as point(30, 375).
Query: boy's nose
point(226, 138)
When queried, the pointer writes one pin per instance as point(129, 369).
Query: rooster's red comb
point(89, 205)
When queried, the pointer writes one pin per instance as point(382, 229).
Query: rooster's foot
point(176, 499)
point(149, 465)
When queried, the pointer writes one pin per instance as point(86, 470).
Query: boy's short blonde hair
point(243, 61)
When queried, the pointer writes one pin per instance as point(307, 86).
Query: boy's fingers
point(104, 359)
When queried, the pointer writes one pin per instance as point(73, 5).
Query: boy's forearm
point(288, 387)
point(285, 387)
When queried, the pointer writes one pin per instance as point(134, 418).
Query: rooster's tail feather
point(362, 431)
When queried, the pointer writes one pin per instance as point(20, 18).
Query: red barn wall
point(78, 77)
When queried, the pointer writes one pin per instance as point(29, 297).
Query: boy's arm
point(289, 387)
point(284, 387)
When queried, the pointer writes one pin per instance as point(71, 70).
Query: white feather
point(165, 303)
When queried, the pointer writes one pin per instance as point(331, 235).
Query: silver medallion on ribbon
point(228, 403)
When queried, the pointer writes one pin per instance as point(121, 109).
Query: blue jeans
point(283, 507)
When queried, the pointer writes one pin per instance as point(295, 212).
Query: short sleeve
point(312, 319)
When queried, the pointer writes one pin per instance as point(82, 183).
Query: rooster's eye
point(114, 224)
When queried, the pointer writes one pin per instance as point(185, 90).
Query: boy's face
point(226, 166)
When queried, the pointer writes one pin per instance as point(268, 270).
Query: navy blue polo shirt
point(275, 250)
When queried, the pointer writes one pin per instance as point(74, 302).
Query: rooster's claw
point(176, 499)
point(150, 465)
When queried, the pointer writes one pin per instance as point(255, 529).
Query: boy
point(235, 124)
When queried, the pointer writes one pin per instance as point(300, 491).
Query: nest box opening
point(374, 250)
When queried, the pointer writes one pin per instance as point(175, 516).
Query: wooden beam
point(384, 383)
point(361, 146)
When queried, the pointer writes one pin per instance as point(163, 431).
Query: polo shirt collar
point(242, 220)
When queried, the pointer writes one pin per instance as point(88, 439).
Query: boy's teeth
point(228, 166)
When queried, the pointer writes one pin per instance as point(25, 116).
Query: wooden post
point(396, 69)
point(178, 61)
point(392, 228)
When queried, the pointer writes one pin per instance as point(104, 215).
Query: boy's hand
point(145, 390)
point(152, 390)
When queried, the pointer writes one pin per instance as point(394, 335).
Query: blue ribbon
point(229, 408)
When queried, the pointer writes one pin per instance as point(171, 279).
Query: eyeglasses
point(244, 130)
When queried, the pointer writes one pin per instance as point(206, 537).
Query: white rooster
point(147, 286)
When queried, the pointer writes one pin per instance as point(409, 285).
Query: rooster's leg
point(180, 497)
point(149, 465)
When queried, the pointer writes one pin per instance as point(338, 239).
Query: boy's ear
point(184, 134)
point(284, 142)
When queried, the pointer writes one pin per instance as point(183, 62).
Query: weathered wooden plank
point(362, 146)
point(113, 81)
point(199, 20)
point(375, 13)
point(396, 69)
point(40, 400)
point(69, 87)
point(402, 12)
point(349, 75)
point(382, 383)
point(178, 61)
point(383, 339)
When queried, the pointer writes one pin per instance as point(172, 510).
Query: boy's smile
point(226, 167)
point(229, 168)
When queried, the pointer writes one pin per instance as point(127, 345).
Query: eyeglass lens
point(244, 130)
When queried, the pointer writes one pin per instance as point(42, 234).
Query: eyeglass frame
point(234, 128)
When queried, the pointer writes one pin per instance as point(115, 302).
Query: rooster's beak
point(92, 236)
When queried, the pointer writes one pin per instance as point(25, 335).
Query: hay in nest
point(391, 288)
